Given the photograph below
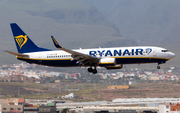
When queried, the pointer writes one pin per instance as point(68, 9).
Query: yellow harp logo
point(21, 40)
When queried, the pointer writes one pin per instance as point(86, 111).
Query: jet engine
point(107, 62)
point(114, 67)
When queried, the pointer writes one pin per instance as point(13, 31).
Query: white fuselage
point(123, 55)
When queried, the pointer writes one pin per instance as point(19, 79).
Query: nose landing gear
point(158, 67)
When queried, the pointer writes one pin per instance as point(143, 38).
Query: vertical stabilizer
point(23, 43)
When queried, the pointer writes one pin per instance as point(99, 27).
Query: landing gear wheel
point(158, 67)
point(94, 71)
point(90, 70)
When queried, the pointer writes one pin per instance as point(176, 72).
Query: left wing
point(80, 57)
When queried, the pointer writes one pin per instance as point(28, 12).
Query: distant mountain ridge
point(149, 22)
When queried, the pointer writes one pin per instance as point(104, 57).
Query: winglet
point(56, 43)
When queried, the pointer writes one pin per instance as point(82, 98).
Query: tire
point(94, 71)
point(158, 67)
point(90, 70)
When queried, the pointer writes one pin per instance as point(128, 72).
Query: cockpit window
point(164, 50)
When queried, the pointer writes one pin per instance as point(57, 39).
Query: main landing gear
point(91, 70)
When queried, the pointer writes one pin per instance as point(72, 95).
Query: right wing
point(80, 57)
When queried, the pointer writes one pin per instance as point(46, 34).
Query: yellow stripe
point(106, 63)
point(143, 57)
point(41, 59)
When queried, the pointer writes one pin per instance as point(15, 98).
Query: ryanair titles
point(126, 52)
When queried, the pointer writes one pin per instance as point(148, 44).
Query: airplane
point(110, 58)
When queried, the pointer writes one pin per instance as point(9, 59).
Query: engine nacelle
point(114, 67)
point(107, 62)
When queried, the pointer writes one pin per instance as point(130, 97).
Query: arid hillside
point(91, 92)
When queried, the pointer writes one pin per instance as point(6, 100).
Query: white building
point(164, 108)
point(69, 96)
point(170, 107)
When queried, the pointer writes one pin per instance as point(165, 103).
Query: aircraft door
point(39, 58)
point(144, 53)
point(154, 52)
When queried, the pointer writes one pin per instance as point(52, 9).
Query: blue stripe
point(69, 63)
point(138, 60)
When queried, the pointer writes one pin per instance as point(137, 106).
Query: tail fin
point(23, 43)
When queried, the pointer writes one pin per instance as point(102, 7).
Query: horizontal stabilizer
point(17, 54)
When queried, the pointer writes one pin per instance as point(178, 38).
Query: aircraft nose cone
point(171, 55)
